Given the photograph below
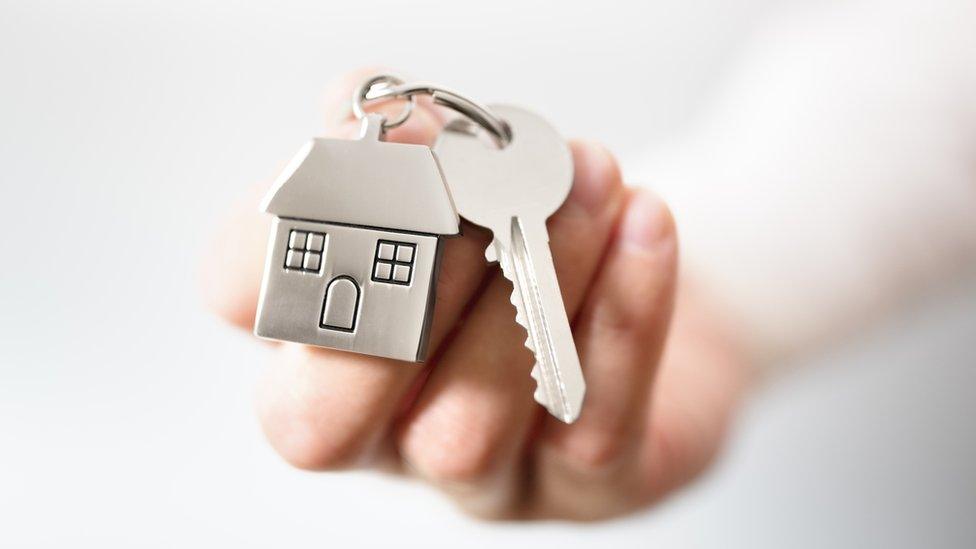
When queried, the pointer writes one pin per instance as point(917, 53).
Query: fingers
point(232, 270)
point(325, 409)
point(587, 469)
point(468, 425)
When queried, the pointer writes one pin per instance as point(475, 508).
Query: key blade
point(540, 310)
point(514, 189)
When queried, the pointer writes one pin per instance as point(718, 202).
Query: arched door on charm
point(341, 305)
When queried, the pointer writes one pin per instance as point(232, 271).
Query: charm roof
point(365, 182)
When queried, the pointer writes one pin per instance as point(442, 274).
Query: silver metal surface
point(312, 262)
point(401, 273)
point(386, 86)
point(315, 242)
point(294, 259)
point(365, 182)
point(404, 254)
point(363, 93)
point(355, 246)
point(341, 304)
point(512, 191)
point(385, 251)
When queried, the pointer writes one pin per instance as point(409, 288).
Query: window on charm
point(304, 251)
point(393, 263)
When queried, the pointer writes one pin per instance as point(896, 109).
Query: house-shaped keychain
point(355, 246)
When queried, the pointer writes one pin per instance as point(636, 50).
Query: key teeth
point(536, 373)
point(539, 395)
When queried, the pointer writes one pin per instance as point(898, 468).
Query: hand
point(466, 421)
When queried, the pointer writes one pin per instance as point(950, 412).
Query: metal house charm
point(355, 246)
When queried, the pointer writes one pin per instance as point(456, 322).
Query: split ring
point(390, 87)
point(383, 83)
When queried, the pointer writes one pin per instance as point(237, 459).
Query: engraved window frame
point(304, 250)
point(393, 263)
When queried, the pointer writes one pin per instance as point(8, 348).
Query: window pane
point(404, 253)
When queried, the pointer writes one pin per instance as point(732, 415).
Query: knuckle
point(306, 440)
point(594, 453)
point(629, 323)
point(614, 323)
point(462, 463)
point(306, 447)
point(452, 453)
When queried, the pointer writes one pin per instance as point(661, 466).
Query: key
point(512, 191)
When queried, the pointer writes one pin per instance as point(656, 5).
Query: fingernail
point(595, 175)
point(647, 221)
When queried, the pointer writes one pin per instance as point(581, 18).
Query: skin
point(663, 374)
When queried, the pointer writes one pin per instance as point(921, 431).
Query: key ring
point(382, 81)
point(385, 86)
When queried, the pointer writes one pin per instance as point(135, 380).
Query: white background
point(125, 421)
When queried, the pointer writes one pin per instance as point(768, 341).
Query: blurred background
point(126, 128)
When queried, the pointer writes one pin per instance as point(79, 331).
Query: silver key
point(512, 191)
